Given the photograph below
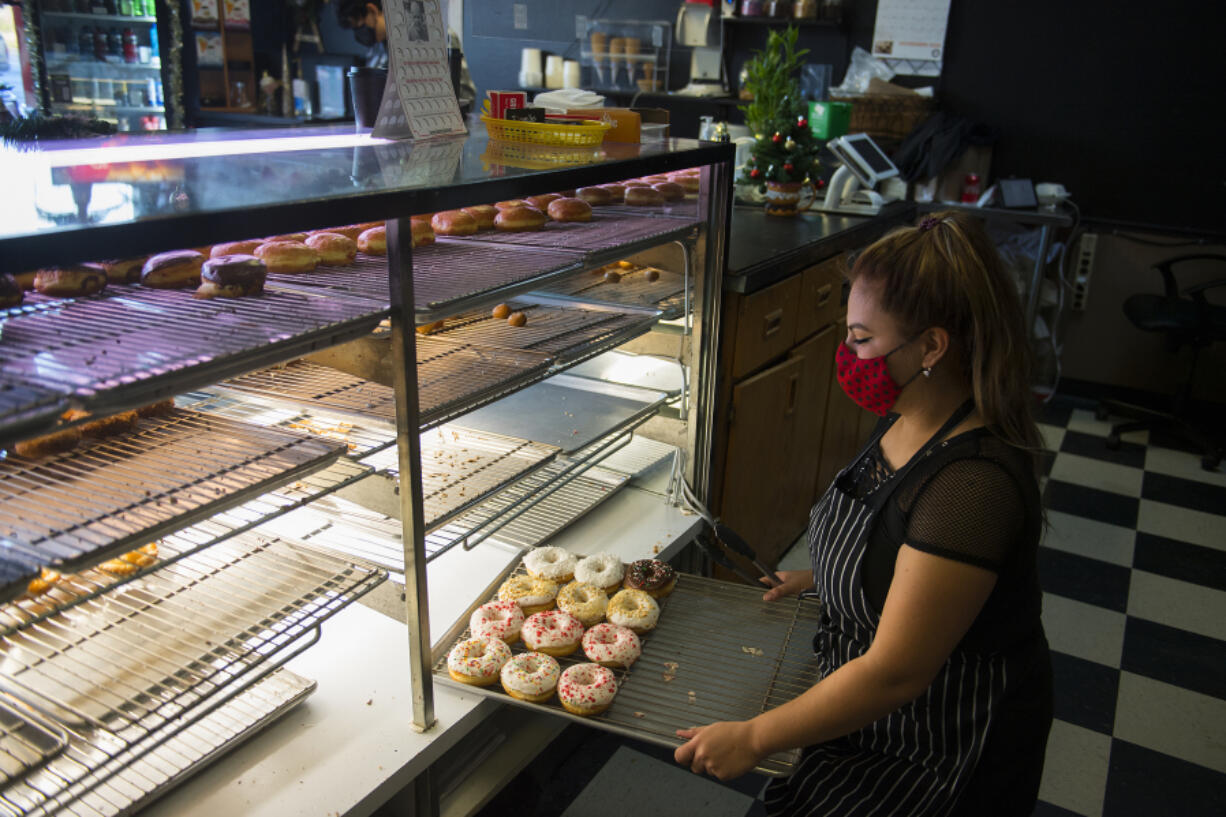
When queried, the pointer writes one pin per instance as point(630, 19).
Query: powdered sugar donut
point(553, 632)
point(498, 619)
point(551, 563)
point(477, 661)
point(532, 595)
point(586, 602)
point(605, 570)
point(531, 676)
point(587, 689)
point(611, 646)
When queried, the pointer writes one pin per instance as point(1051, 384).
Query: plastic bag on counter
point(864, 67)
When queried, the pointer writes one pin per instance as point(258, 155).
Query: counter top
point(765, 249)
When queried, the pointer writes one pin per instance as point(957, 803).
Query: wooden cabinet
point(817, 380)
point(765, 325)
point(821, 295)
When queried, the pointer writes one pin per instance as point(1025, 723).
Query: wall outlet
point(1083, 267)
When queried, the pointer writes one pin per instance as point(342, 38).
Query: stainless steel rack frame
point(718, 653)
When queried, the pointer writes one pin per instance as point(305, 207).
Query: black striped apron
point(915, 761)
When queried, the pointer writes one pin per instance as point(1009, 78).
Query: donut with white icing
point(531, 676)
point(551, 563)
point(587, 689)
point(552, 632)
point(478, 661)
point(611, 646)
point(532, 595)
point(635, 610)
point(498, 619)
point(605, 570)
point(586, 602)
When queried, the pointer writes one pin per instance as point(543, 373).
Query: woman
point(935, 696)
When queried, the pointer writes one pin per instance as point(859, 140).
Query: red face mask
point(868, 382)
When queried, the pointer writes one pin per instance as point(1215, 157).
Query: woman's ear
point(935, 345)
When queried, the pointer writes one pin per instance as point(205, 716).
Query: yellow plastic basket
point(587, 134)
point(538, 157)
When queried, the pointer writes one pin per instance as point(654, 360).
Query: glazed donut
point(644, 197)
point(587, 689)
point(497, 619)
point(115, 424)
point(653, 576)
point(586, 602)
point(423, 233)
point(231, 276)
point(25, 280)
point(510, 203)
point(48, 444)
point(566, 194)
point(570, 210)
point(70, 282)
point(671, 191)
point(454, 222)
point(11, 293)
point(617, 191)
point(246, 247)
point(552, 632)
point(635, 183)
point(350, 231)
point(532, 595)
point(287, 256)
point(484, 214)
point(516, 219)
point(501, 311)
point(612, 646)
point(531, 676)
point(634, 610)
point(172, 270)
point(605, 570)
point(298, 237)
point(333, 248)
point(595, 195)
point(478, 661)
point(689, 183)
point(517, 319)
point(123, 271)
point(551, 563)
point(542, 201)
point(368, 225)
point(373, 241)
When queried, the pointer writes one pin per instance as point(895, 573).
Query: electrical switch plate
point(580, 27)
point(1083, 266)
point(519, 13)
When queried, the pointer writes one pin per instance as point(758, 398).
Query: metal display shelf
point(611, 234)
point(565, 328)
point(151, 657)
point(718, 653)
point(26, 740)
point(128, 345)
point(452, 377)
point(185, 750)
point(78, 508)
point(632, 288)
point(25, 407)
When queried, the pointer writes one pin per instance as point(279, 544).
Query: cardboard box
point(828, 120)
point(627, 122)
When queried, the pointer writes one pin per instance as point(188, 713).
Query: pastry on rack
point(478, 661)
point(688, 182)
point(132, 561)
point(644, 197)
point(232, 276)
point(114, 424)
point(158, 409)
point(595, 195)
point(671, 191)
point(517, 319)
point(454, 222)
point(246, 247)
point(423, 232)
point(587, 689)
point(350, 231)
point(123, 270)
point(45, 445)
point(531, 676)
point(617, 191)
point(635, 610)
point(287, 256)
point(510, 203)
point(333, 248)
point(483, 213)
point(373, 241)
point(25, 280)
point(176, 269)
point(73, 281)
point(542, 201)
point(570, 210)
point(11, 293)
point(299, 237)
point(519, 219)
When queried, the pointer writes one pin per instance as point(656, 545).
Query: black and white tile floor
point(1134, 577)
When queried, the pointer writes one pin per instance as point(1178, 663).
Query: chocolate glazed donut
point(232, 276)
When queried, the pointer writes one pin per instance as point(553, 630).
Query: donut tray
point(666, 293)
point(718, 653)
point(26, 740)
point(78, 508)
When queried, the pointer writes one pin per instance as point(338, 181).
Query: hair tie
point(928, 223)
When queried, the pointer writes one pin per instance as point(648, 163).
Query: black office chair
point(1187, 319)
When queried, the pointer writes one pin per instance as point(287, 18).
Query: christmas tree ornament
point(802, 122)
point(777, 138)
point(788, 167)
point(819, 184)
point(759, 136)
point(790, 144)
point(755, 173)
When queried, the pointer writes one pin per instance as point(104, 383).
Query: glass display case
point(626, 55)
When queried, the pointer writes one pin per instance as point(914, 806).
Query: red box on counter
point(502, 101)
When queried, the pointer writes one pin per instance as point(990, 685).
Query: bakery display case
point(164, 561)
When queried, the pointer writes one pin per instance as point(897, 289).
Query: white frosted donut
point(611, 646)
point(530, 676)
point(550, 563)
point(634, 609)
point(532, 595)
point(553, 632)
point(498, 619)
point(478, 661)
point(586, 602)
point(604, 570)
point(587, 689)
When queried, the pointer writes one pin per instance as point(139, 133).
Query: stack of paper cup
point(553, 71)
point(530, 68)
point(570, 74)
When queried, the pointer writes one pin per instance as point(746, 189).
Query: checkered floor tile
point(1133, 568)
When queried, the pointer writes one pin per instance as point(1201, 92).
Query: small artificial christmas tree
point(785, 149)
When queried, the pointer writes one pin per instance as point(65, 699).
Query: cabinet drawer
point(821, 295)
point(766, 325)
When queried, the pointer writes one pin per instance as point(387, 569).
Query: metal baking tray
point(107, 496)
point(565, 328)
point(566, 411)
point(461, 468)
point(129, 345)
point(629, 369)
point(119, 779)
point(26, 740)
point(632, 288)
point(718, 653)
point(25, 407)
point(145, 653)
point(451, 376)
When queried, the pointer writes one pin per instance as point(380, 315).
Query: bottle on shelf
point(129, 45)
point(100, 43)
point(155, 56)
point(97, 6)
point(114, 44)
point(143, 52)
point(151, 9)
point(85, 42)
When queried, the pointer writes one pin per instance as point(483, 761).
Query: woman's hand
point(795, 582)
point(724, 750)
